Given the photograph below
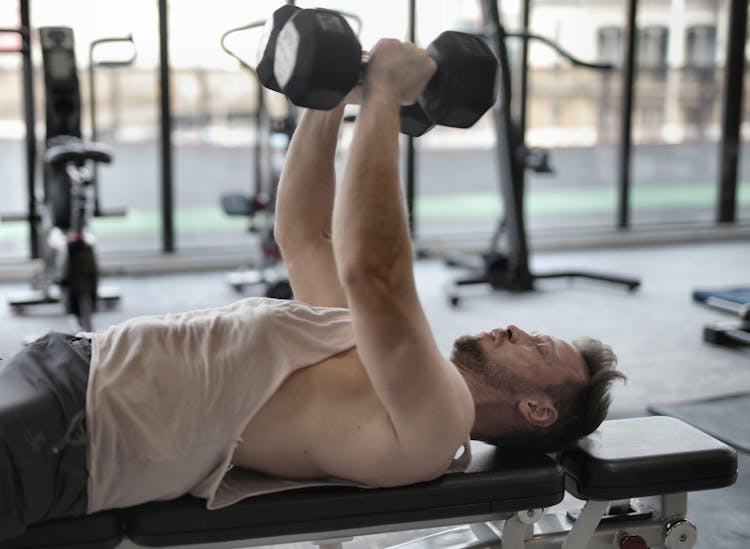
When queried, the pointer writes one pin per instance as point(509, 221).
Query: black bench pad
point(646, 456)
point(495, 484)
point(98, 531)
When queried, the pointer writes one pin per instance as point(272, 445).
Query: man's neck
point(496, 411)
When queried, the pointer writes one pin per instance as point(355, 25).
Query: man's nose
point(517, 335)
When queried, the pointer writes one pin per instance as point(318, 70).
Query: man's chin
point(468, 355)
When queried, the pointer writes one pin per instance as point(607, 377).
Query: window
point(700, 47)
point(652, 47)
point(609, 42)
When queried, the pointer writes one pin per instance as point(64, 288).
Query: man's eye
point(538, 348)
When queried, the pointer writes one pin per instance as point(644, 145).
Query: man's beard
point(469, 355)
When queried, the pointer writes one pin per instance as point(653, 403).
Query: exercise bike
point(69, 273)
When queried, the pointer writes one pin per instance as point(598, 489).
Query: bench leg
point(519, 528)
point(586, 524)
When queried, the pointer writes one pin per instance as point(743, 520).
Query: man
point(343, 385)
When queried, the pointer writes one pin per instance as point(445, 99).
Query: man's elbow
point(385, 265)
point(358, 278)
point(289, 237)
point(369, 273)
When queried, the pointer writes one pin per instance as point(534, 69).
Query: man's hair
point(581, 406)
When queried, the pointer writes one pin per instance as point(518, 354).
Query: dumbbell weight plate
point(267, 45)
point(463, 88)
point(414, 121)
point(317, 59)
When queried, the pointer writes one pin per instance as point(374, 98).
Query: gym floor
point(657, 332)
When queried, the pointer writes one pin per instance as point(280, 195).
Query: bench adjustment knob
point(680, 534)
point(633, 542)
point(530, 517)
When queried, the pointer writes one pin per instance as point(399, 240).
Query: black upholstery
point(98, 531)
point(644, 457)
point(495, 484)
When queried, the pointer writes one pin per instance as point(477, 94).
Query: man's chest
point(323, 421)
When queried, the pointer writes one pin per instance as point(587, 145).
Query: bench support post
point(585, 526)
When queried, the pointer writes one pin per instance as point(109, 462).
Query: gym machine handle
point(112, 63)
point(230, 52)
point(525, 35)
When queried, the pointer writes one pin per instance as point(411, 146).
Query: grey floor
point(656, 332)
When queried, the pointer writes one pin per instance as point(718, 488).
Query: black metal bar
point(732, 114)
point(28, 108)
point(523, 90)
point(411, 168)
point(92, 99)
point(562, 52)
point(626, 122)
point(509, 170)
point(524, 70)
point(167, 204)
point(94, 134)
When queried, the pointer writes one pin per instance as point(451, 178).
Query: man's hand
point(398, 69)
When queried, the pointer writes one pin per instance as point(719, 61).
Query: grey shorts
point(43, 432)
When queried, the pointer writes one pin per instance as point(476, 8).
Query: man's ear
point(538, 410)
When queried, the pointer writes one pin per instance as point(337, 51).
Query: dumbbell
point(317, 61)
point(414, 121)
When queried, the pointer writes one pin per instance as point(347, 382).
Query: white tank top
point(170, 395)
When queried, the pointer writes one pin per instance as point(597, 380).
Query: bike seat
point(78, 152)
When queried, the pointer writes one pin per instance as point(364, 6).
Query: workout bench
point(656, 459)
point(734, 301)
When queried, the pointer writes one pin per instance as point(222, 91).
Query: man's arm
point(302, 226)
point(428, 403)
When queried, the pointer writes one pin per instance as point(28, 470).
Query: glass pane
point(574, 114)
point(743, 179)
point(13, 235)
point(677, 113)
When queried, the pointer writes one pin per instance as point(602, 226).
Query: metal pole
point(410, 153)
point(524, 81)
point(523, 91)
point(518, 275)
point(626, 122)
point(732, 116)
point(28, 106)
point(94, 135)
point(167, 205)
point(92, 99)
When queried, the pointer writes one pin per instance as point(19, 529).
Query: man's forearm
point(369, 216)
point(305, 196)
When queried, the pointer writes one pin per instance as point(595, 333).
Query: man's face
point(518, 362)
